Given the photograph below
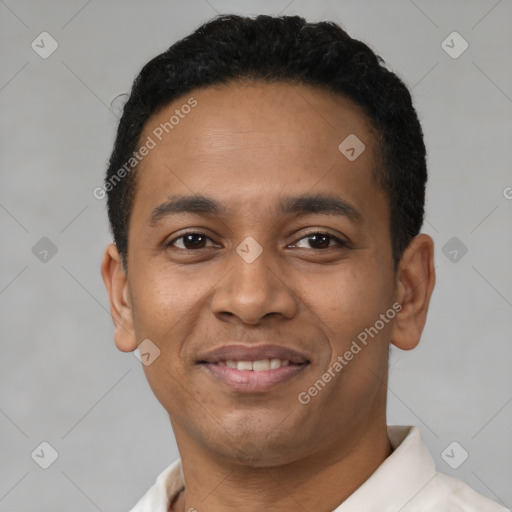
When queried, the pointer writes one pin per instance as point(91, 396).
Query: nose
point(253, 290)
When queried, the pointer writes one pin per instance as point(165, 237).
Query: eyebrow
point(325, 204)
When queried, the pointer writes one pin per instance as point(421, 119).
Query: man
point(265, 193)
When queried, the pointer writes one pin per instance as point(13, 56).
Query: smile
point(261, 365)
point(253, 376)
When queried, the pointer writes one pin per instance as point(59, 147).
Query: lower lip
point(250, 381)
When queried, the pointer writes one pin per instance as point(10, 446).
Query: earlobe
point(415, 283)
point(116, 283)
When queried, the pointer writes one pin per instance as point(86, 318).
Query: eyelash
point(341, 243)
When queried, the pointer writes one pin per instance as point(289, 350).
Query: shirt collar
point(399, 479)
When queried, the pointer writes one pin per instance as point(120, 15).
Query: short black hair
point(281, 49)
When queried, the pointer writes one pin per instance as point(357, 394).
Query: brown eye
point(191, 241)
point(321, 241)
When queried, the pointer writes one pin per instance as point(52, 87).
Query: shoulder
point(459, 497)
point(167, 485)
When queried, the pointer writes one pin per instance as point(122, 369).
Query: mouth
point(253, 369)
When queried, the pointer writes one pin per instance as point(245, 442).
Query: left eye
point(322, 239)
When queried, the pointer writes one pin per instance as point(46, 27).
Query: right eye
point(192, 240)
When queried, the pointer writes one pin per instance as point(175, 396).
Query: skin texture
point(247, 145)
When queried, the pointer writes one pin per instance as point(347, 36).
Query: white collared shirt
point(407, 481)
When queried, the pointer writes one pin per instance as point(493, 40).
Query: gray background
point(61, 378)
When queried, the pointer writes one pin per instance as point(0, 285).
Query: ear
point(415, 283)
point(116, 283)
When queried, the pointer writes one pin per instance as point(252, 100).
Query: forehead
point(243, 113)
point(246, 142)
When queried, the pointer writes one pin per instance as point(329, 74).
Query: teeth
point(257, 366)
point(277, 363)
point(261, 366)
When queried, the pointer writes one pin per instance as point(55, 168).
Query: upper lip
point(252, 353)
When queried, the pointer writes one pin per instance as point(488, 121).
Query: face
point(289, 259)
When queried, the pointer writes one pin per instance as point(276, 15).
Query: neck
point(320, 481)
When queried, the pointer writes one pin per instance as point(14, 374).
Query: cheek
point(161, 302)
point(166, 308)
point(352, 299)
point(164, 311)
